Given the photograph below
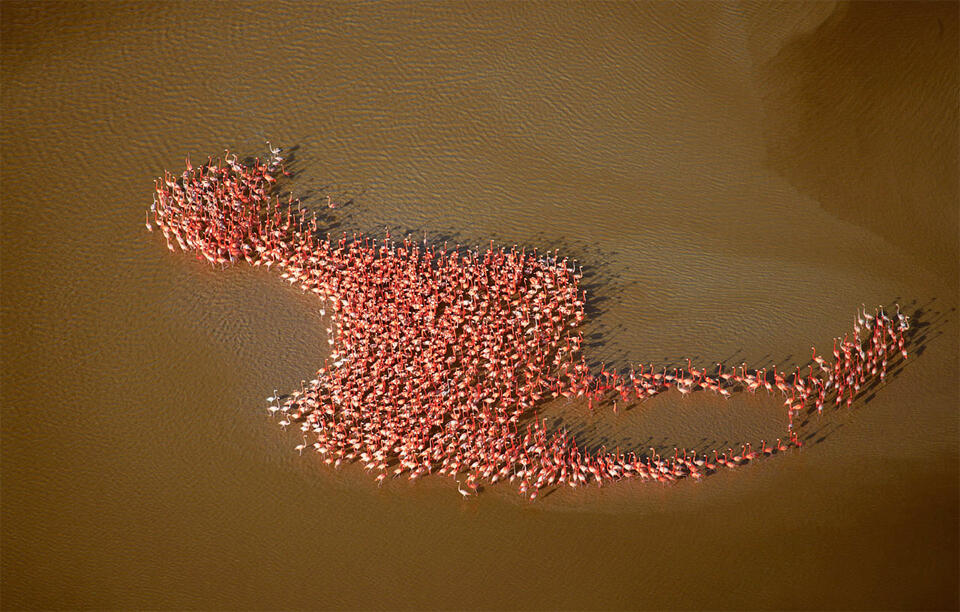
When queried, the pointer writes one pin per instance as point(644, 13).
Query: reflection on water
point(735, 178)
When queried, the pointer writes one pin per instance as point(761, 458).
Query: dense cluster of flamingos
point(440, 356)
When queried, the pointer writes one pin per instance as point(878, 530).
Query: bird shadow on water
point(926, 325)
point(601, 280)
point(602, 276)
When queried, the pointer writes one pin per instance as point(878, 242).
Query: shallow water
point(736, 180)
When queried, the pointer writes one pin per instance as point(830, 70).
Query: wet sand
point(736, 180)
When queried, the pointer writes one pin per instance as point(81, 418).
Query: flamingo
point(438, 355)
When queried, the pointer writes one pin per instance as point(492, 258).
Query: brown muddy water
point(736, 179)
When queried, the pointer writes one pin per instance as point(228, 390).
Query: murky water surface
point(735, 178)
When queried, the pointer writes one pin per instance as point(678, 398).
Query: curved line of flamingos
point(439, 356)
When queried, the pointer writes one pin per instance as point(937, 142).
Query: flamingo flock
point(440, 356)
